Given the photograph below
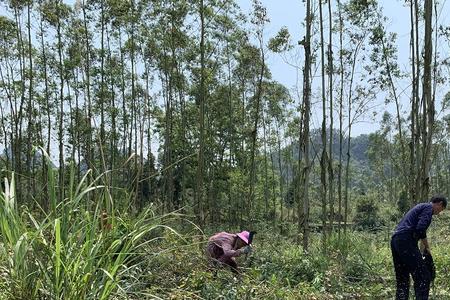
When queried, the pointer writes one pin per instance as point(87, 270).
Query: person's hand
point(246, 249)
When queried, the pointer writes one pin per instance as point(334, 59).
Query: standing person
point(223, 247)
point(405, 251)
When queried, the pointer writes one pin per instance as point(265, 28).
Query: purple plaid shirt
point(226, 242)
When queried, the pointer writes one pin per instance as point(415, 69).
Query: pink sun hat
point(244, 235)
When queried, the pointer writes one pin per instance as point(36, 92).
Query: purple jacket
point(225, 241)
point(416, 221)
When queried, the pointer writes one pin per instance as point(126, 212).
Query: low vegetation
point(75, 253)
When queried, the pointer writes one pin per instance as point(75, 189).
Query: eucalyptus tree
point(247, 74)
point(384, 76)
point(361, 27)
point(201, 100)
point(74, 64)
point(8, 54)
point(31, 130)
point(341, 113)
point(422, 115)
point(112, 68)
point(232, 61)
point(259, 19)
point(304, 166)
point(229, 34)
point(94, 20)
point(47, 94)
point(56, 15)
point(282, 44)
point(118, 17)
point(102, 92)
point(324, 155)
point(428, 104)
point(87, 41)
point(414, 116)
point(331, 114)
point(18, 74)
point(277, 99)
point(165, 52)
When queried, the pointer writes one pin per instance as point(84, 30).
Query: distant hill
point(36, 159)
point(358, 152)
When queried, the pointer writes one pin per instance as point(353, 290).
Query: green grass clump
point(67, 253)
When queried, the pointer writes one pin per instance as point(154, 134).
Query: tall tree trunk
point(266, 170)
point(17, 141)
point(87, 84)
point(148, 115)
point(324, 156)
point(113, 142)
point(418, 126)
point(428, 103)
point(168, 178)
point(230, 129)
point(102, 76)
point(414, 113)
point(274, 204)
point(134, 109)
point(281, 179)
point(124, 106)
point(77, 119)
point(45, 165)
point(303, 208)
point(31, 129)
point(200, 171)
point(330, 149)
point(347, 166)
point(61, 109)
point(257, 98)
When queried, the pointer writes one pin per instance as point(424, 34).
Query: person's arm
point(423, 223)
point(230, 252)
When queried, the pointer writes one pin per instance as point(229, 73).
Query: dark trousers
point(408, 260)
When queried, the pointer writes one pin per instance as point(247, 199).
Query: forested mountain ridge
point(358, 152)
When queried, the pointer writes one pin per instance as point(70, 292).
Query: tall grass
point(67, 253)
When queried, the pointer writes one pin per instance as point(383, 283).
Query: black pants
point(408, 260)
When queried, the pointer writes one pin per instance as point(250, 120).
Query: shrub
point(367, 216)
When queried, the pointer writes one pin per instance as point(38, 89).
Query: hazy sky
point(291, 13)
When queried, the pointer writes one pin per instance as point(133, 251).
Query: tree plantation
point(132, 131)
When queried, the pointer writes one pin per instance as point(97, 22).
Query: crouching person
point(223, 247)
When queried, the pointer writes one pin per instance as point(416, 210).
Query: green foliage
point(54, 12)
point(141, 258)
point(355, 266)
point(403, 203)
point(281, 42)
point(367, 215)
point(71, 253)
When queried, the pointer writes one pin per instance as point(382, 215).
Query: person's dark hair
point(438, 199)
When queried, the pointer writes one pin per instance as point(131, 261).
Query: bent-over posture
point(223, 247)
point(405, 251)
